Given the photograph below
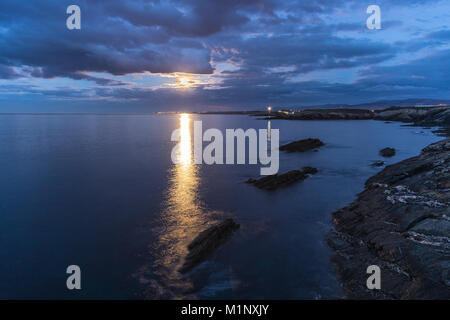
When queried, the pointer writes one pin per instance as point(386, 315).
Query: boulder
point(276, 181)
point(387, 152)
point(208, 241)
point(302, 145)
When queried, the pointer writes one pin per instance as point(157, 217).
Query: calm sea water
point(101, 192)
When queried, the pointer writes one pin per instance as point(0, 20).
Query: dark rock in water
point(387, 152)
point(401, 223)
point(207, 241)
point(302, 145)
point(309, 170)
point(276, 181)
point(378, 163)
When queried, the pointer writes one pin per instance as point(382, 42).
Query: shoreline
point(401, 223)
point(401, 220)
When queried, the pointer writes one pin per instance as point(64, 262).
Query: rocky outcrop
point(208, 241)
point(421, 116)
point(276, 181)
point(302, 145)
point(400, 222)
point(387, 152)
point(429, 116)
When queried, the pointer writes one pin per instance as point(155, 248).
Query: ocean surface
point(101, 192)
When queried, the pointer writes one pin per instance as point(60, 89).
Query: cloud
point(253, 51)
point(7, 72)
point(115, 44)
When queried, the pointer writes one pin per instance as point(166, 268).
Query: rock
point(387, 152)
point(302, 145)
point(309, 170)
point(400, 222)
point(276, 181)
point(377, 163)
point(208, 241)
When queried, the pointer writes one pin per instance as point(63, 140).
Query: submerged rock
point(377, 163)
point(302, 145)
point(276, 181)
point(206, 242)
point(387, 152)
point(401, 223)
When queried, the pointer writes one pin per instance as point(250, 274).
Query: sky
point(150, 55)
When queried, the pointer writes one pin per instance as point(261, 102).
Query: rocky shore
point(426, 116)
point(423, 116)
point(401, 223)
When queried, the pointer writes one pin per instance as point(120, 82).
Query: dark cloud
point(275, 44)
point(112, 43)
point(7, 72)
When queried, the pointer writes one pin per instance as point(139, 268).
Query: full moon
point(183, 82)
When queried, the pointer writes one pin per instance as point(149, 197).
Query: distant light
point(269, 108)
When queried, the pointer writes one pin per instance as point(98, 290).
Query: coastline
point(399, 222)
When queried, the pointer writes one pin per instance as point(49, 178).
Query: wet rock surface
point(207, 242)
point(400, 222)
point(302, 145)
point(387, 152)
point(276, 181)
point(377, 163)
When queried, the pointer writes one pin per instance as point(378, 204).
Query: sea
point(101, 192)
